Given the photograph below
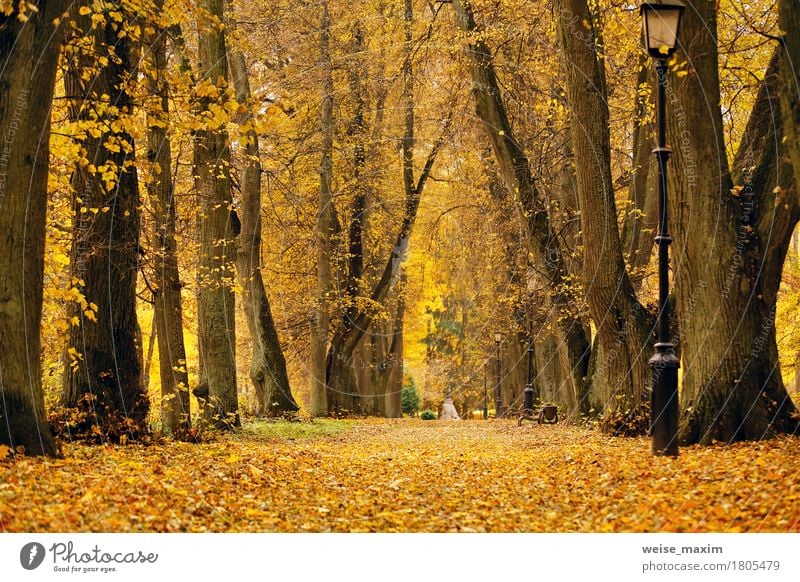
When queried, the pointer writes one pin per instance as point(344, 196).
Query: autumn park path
point(407, 475)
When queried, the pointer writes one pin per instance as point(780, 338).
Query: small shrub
point(627, 423)
point(93, 422)
point(410, 397)
point(428, 415)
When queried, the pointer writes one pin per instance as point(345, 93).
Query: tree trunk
point(623, 326)
point(320, 318)
point(514, 370)
point(393, 386)
point(730, 246)
point(356, 133)
point(566, 219)
point(28, 60)
point(268, 368)
point(378, 356)
point(641, 215)
point(103, 366)
point(168, 324)
point(789, 20)
point(796, 388)
point(514, 168)
point(566, 222)
point(148, 360)
point(217, 229)
point(340, 376)
point(789, 87)
point(551, 380)
point(356, 380)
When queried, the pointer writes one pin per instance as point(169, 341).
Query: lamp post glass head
point(498, 337)
point(660, 22)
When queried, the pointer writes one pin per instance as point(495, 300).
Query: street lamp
point(527, 401)
point(661, 21)
point(498, 397)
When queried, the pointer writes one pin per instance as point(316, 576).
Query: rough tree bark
point(393, 382)
point(381, 350)
point(623, 326)
point(641, 215)
point(789, 22)
point(28, 61)
point(357, 133)
point(357, 383)
point(730, 244)
point(324, 225)
point(377, 360)
point(168, 318)
point(217, 229)
point(515, 170)
point(555, 377)
point(268, 368)
point(102, 361)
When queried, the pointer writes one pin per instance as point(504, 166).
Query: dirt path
point(408, 476)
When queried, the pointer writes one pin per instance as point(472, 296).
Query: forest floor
point(406, 475)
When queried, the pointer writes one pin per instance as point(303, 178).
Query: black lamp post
point(498, 396)
point(485, 392)
point(527, 401)
point(661, 19)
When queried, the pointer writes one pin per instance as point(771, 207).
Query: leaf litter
point(407, 476)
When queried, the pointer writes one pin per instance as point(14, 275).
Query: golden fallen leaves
point(384, 475)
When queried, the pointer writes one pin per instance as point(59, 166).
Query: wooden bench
point(547, 414)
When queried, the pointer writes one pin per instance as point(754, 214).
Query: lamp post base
point(527, 398)
point(664, 401)
point(527, 404)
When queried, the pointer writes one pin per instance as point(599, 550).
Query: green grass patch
point(283, 429)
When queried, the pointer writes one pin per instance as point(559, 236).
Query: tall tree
point(324, 224)
point(268, 366)
point(29, 49)
point(357, 133)
point(623, 326)
point(373, 361)
point(339, 375)
point(102, 356)
point(789, 22)
point(167, 284)
point(514, 168)
point(641, 214)
point(730, 247)
point(217, 226)
point(378, 359)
